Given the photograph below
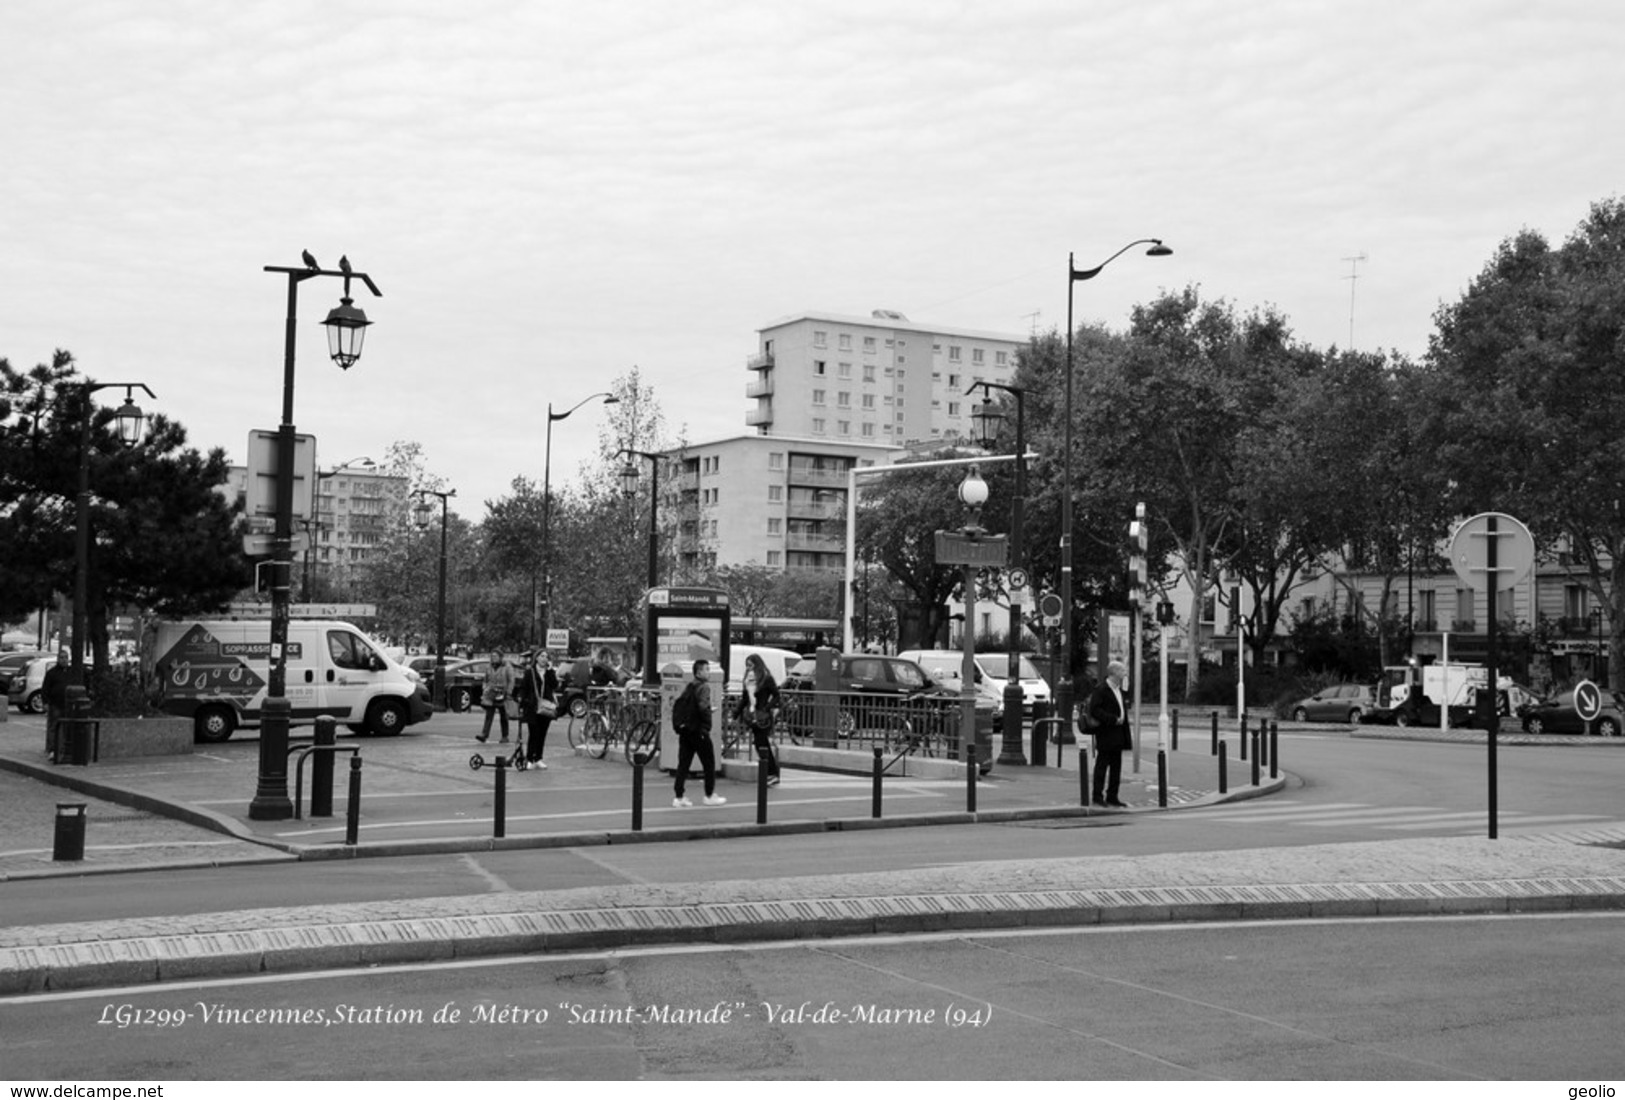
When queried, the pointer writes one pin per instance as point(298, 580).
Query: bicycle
point(605, 723)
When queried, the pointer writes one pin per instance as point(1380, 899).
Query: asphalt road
point(1435, 998)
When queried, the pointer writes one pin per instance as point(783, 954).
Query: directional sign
point(1514, 550)
point(957, 548)
point(1587, 701)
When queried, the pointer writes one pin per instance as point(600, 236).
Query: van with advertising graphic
point(216, 673)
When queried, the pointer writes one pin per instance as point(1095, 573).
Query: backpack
point(686, 716)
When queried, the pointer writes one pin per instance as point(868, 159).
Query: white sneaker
point(681, 802)
point(538, 764)
point(714, 800)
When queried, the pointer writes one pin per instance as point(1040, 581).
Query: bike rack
point(299, 770)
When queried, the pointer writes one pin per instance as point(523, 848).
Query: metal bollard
point(1162, 779)
point(352, 810)
point(970, 779)
point(499, 809)
point(1224, 776)
point(1083, 773)
point(321, 767)
point(1255, 757)
point(874, 807)
point(1215, 733)
point(1040, 750)
point(1275, 746)
point(1242, 737)
point(1173, 730)
point(761, 792)
point(638, 762)
point(70, 832)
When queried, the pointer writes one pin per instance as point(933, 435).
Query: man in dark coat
point(1109, 711)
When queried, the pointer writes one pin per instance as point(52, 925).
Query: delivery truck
point(216, 672)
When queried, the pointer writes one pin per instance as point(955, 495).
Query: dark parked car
point(1338, 703)
point(1556, 715)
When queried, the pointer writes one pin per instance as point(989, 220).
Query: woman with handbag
point(538, 693)
point(758, 706)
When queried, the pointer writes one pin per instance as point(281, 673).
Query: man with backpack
point(691, 718)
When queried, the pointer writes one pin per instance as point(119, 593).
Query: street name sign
point(958, 548)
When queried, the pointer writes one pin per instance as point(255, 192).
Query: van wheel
point(386, 717)
point(212, 725)
point(1300, 715)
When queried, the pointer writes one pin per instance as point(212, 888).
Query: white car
point(28, 687)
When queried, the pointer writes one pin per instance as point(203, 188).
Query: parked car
point(1556, 715)
point(14, 663)
point(946, 667)
point(873, 687)
point(27, 691)
point(1034, 688)
point(1349, 703)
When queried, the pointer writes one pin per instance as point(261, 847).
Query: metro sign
point(958, 548)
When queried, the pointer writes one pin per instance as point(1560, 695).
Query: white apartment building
point(880, 380)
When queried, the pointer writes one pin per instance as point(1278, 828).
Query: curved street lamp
point(346, 328)
point(547, 509)
point(1066, 690)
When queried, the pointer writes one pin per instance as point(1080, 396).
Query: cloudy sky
point(548, 193)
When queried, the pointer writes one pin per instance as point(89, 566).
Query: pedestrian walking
point(1111, 732)
point(537, 691)
point(758, 708)
point(691, 718)
point(54, 687)
point(499, 677)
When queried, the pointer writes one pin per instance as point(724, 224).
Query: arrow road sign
point(1587, 701)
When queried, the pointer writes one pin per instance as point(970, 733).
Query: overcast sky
point(547, 193)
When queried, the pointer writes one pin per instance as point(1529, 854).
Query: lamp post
point(987, 423)
point(973, 494)
point(1066, 689)
point(130, 421)
point(346, 329)
point(629, 485)
point(1599, 666)
point(547, 507)
point(423, 513)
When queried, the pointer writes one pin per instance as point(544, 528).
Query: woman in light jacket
point(498, 687)
point(758, 707)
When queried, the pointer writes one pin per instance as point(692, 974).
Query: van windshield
point(996, 663)
point(349, 651)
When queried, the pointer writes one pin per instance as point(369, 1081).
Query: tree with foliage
point(1523, 399)
point(163, 537)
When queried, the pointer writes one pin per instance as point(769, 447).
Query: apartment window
point(713, 528)
point(818, 425)
point(868, 400)
point(953, 381)
point(775, 557)
point(818, 397)
point(868, 428)
point(868, 372)
point(775, 526)
point(975, 355)
point(953, 353)
point(1000, 358)
point(775, 460)
point(820, 367)
point(820, 338)
point(1426, 610)
point(953, 408)
point(1464, 609)
point(844, 399)
point(868, 345)
point(1575, 602)
point(775, 492)
point(846, 341)
point(844, 370)
point(843, 427)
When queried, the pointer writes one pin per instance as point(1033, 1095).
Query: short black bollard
point(1243, 737)
point(1215, 733)
point(499, 809)
point(1083, 773)
point(1224, 775)
point(70, 832)
point(352, 810)
point(1275, 746)
point(970, 779)
point(761, 792)
point(1040, 749)
point(321, 768)
point(1173, 730)
point(1162, 779)
point(874, 808)
point(1255, 756)
point(639, 760)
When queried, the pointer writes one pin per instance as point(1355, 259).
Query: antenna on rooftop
point(1033, 317)
point(1353, 277)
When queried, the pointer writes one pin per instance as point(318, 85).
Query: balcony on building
point(817, 542)
point(815, 509)
point(817, 476)
point(762, 360)
point(762, 415)
point(762, 387)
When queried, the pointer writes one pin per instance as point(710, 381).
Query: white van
point(215, 672)
point(945, 667)
point(778, 661)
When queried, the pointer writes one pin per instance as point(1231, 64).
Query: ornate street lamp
point(629, 486)
point(1066, 689)
point(346, 328)
point(987, 420)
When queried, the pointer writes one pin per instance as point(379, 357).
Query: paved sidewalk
point(182, 811)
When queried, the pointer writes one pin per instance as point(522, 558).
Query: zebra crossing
point(1403, 819)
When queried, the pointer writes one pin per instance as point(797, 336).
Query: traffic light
point(1136, 560)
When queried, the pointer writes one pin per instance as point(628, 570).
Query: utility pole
point(1353, 277)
